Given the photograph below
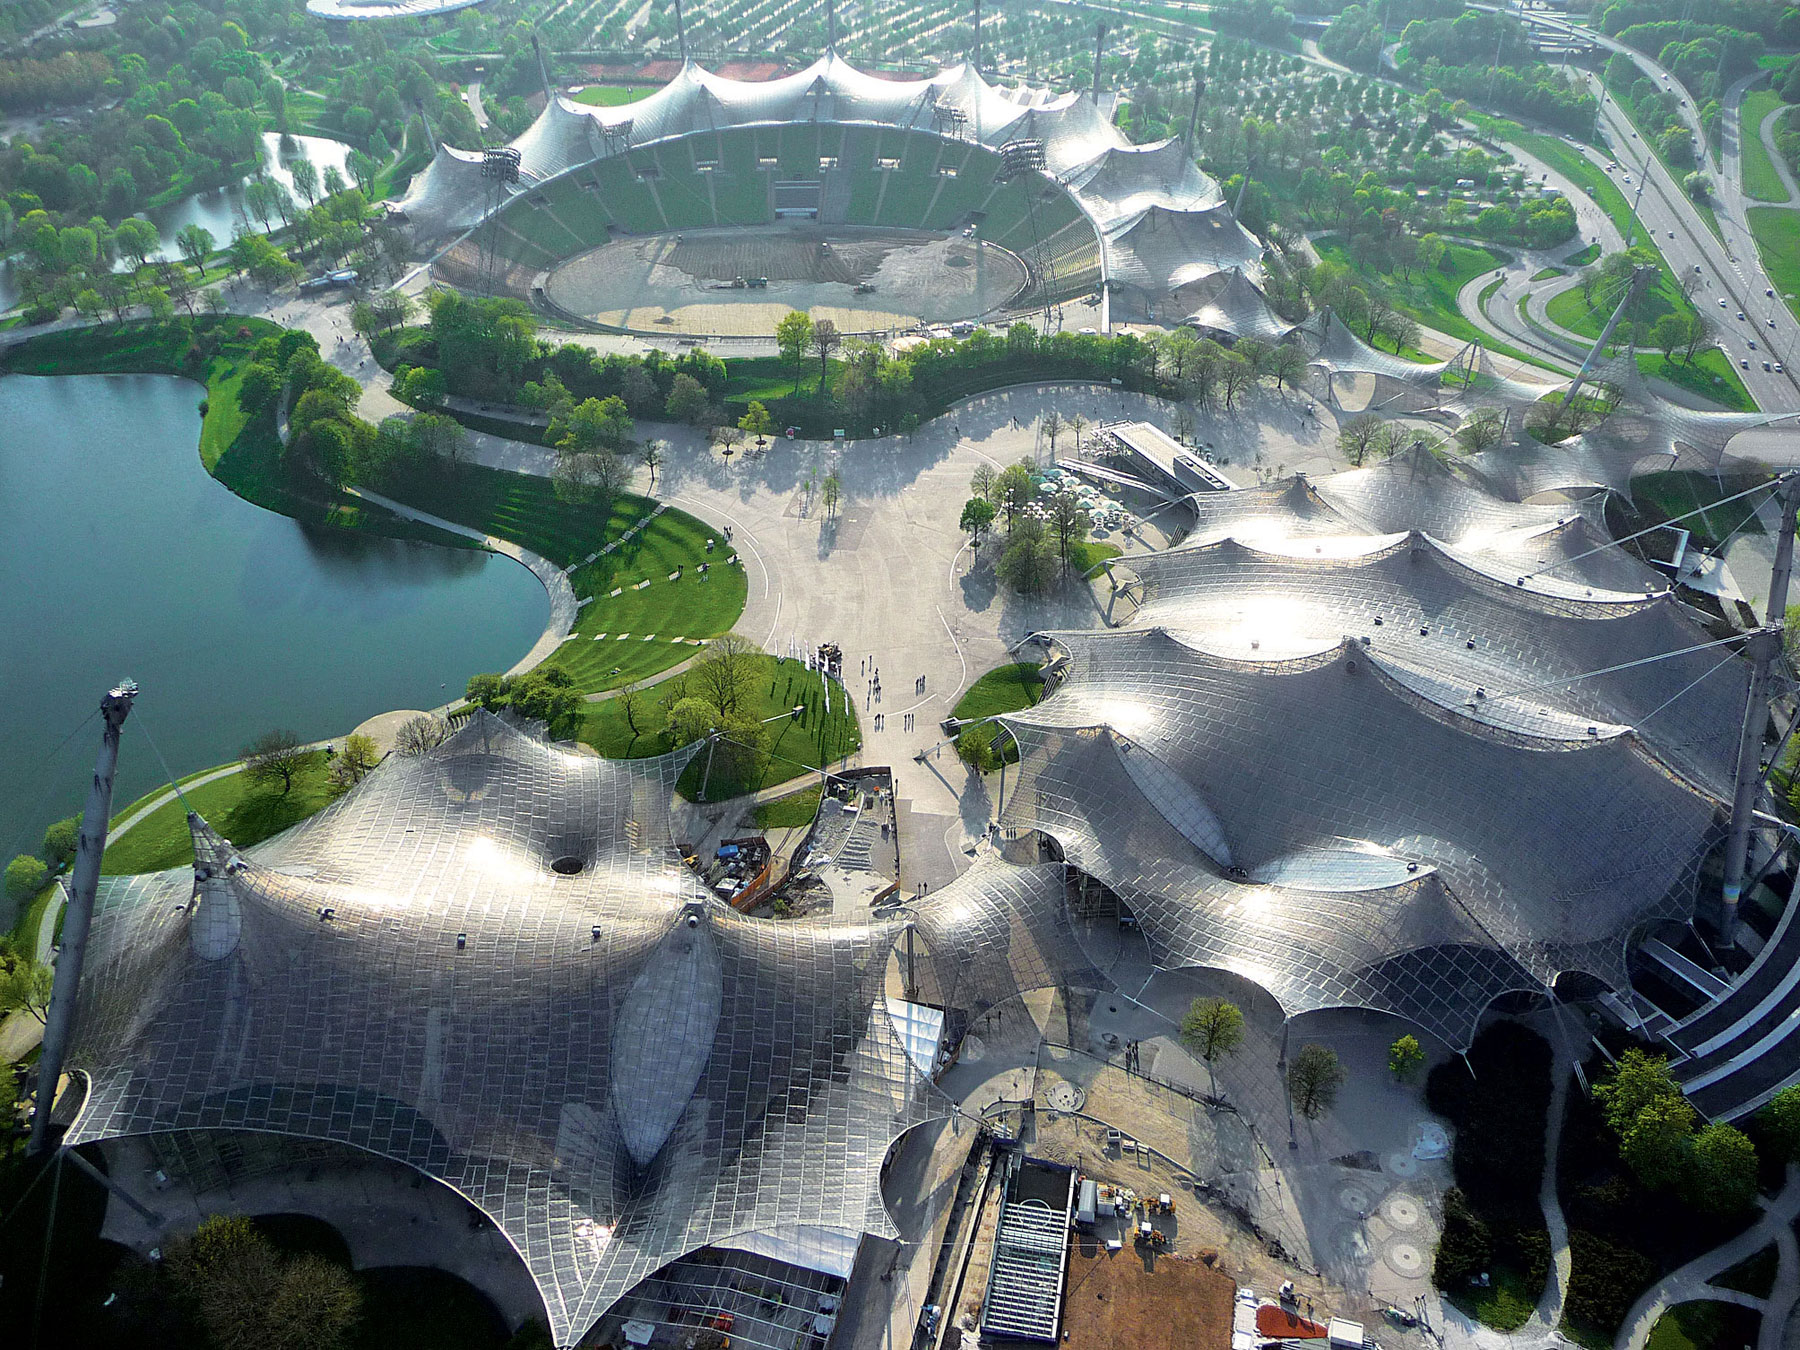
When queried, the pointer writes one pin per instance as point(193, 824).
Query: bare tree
point(831, 492)
point(1482, 430)
point(275, 757)
point(1053, 427)
point(419, 735)
point(1356, 437)
point(981, 482)
point(825, 341)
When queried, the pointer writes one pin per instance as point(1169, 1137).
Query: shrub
point(25, 877)
point(1465, 1246)
point(1604, 1282)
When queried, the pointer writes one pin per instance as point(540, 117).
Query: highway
point(1728, 271)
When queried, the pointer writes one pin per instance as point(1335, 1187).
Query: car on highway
point(1740, 316)
point(1671, 234)
point(1767, 290)
point(1771, 323)
point(1780, 369)
point(1721, 303)
point(1744, 362)
point(1765, 365)
point(1752, 344)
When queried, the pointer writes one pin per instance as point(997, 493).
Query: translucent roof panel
point(483, 963)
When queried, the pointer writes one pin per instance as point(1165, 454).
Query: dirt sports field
point(683, 283)
point(1146, 1302)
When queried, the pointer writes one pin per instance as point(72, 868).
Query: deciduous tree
point(274, 757)
point(1314, 1078)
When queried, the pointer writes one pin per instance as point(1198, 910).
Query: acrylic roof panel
point(1553, 849)
point(1229, 302)
point(614, 1066)
point(1163, 250)
point(450, 196)
point(1426, 608)
point(384, 9)
point(1126, 180)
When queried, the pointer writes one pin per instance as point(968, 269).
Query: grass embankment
point(244, 812)
point(1710, 374)
point(1545, 273)
point(1705, 1325)
point(774, 687)
point(1761, 180)
point(1589, 253)
point(613, 95)
point(1777, 233)
point(789, 812)
point(1672, 495)
point(1428, 294)
point(654, 622)
point(241, 452)
point(1002, 690)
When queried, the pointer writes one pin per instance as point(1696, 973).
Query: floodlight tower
point(543, 68)
point(59, 1022)
point(975, 51)
point(680, 33)
point(1099, 47)
point(1639, 278)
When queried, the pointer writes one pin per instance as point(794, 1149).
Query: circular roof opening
point(568, 865)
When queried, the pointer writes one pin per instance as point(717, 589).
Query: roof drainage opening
point(568, 865)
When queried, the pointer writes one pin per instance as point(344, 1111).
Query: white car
point(1721, 303)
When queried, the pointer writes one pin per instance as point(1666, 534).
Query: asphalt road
point(1728, 271)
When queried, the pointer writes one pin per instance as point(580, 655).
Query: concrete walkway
point(1690, 1283)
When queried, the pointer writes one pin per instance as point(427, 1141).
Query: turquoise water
point(121, 556)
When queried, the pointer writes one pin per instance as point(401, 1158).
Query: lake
point(220, 210)
point(121, 556)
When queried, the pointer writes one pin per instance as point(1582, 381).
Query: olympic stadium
point(714, 205)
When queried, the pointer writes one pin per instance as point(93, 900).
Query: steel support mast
point(1764, 649)
point(59, 1023)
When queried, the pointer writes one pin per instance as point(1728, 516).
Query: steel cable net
point(1348, 748)
point(482, 963)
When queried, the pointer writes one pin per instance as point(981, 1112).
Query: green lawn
point(613, 95)
point(23, 937)
point(1704, 1326)
point(789, 812)
point(1506, 1305)
point(1712, 374)
point(1777, 234)
point(1429, 294)
point(1583, 256)
point(1761, 181)
point(654, 622)
point(1670, 495)
point(244, 813)
point(1544, 274)
point(1002, 690)
point(1087, 557)
point(776, 685)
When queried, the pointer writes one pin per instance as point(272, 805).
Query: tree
point(977, 518)
point(1721, 1176)
point(25, 877)
point(1780, 1122)
point(651, 452)
point(793, 334)
point(547, 695)
point(1286, 363)
point(195, 243)
point(692, 719)
point(1069, 522)
point(1357, 436)
point(1655, 1144)
point(724, 670)
point(756, 420)
point(353, 761)
point(137, 239)
point(825, 341)
point(1482, 430)
point(1077, 425)
point(1636, 1081)
point(687, 401)
point(1405, 1058)
point(1029, 561)
point(1237, 375)
point(306, 179)
point(274, 757)
point(1314, 1077)
point(332, 180)
point(597, 422)
point(159, 304)
point(420, 734)
point(362, 168)
point(982, 481)
point(25, 987)
point(60, 841)
point(636, 709)
point(1013, 491)
point(831, 492)
point(1053, 427)
point(1212, 1029)
point(245, 1294)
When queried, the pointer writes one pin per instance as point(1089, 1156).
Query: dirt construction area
point(689, 283)
point(1147, 1302)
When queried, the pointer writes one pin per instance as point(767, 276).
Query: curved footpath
point(1690, 1283)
